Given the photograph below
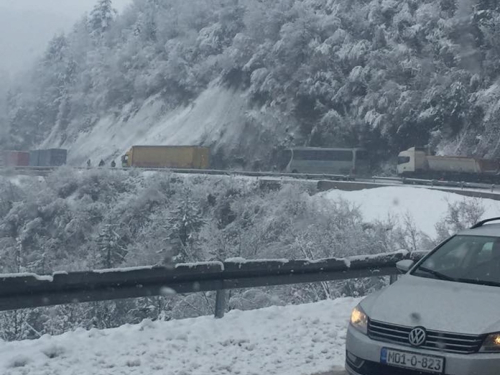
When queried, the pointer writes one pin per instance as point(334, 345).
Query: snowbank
point(292, 340)
point(426, 206)
point(20, 180)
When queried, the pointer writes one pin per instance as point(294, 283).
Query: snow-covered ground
point(218, 114)
point(292, 340)
point(426, 207)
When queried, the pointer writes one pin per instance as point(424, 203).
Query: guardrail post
point(220, 304)
point(393, 279)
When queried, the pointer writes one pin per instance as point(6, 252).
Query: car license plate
point(399, 358)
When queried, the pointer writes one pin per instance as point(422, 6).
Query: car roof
point(489, 230)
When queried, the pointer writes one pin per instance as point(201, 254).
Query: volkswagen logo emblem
point(417, 336)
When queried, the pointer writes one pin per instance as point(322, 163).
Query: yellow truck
point(178, 157)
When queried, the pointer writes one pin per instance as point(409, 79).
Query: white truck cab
point(411, 161)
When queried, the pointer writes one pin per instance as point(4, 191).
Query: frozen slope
point(426, 207)
point(217, 116)
point(292, 340)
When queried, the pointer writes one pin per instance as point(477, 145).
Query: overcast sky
point(27, 25)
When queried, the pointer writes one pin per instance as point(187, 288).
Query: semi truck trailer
point(53, 157)
point(14, 159)
point(418, 163)
point(179, 157)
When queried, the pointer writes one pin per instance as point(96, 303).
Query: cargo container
point(418, 163)
point(14, 158)
point(340, 161)
point(53, 157)
point(180, 157)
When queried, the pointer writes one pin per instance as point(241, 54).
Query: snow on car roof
point(490, 230)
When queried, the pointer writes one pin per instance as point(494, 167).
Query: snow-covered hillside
point(293, 340)
point(219, 116)
point(386, 75)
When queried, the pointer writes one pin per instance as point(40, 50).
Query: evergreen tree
point(185, 223)
point(101, 18)
point(4, 124)
point(111, 250)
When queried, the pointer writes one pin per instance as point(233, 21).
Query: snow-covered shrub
point(75, 221)
point(461, 215)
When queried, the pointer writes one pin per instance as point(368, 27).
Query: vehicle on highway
point(441, 317)
point(419, 163)
point(52, 157)
point(179, 157)
point(316, 160)
point(14, 158)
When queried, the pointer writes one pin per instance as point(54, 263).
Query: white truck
point(418, 163)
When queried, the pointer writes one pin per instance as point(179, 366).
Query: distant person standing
point(89, 163)
point(101, 163)
point(113, 164)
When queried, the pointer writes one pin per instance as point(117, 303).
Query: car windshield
point(466, 259)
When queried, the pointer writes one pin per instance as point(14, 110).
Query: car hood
point(437, 305)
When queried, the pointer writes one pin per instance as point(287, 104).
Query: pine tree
point(101, 18)
point(111, 250)
point(4, 125)
point(146, 26)
point(185, 223)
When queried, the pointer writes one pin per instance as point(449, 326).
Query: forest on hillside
point(101, 219)
point(384, 74)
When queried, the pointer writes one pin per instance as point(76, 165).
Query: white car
point(442, 317)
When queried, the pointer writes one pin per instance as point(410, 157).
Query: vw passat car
point(441, 317)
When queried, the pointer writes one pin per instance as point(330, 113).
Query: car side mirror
point(405, 265)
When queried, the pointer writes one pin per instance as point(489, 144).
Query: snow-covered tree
point(111, 249)
point(101, 18)
point(185, 223)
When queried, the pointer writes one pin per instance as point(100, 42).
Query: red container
point(15, 159)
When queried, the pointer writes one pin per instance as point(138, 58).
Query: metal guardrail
point(214, 172)
point(437, 183)
point(322, 182)
point(456, 184)
point(42, 171)
point(20, 291)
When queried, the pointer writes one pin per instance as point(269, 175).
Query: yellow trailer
point(180, 157)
